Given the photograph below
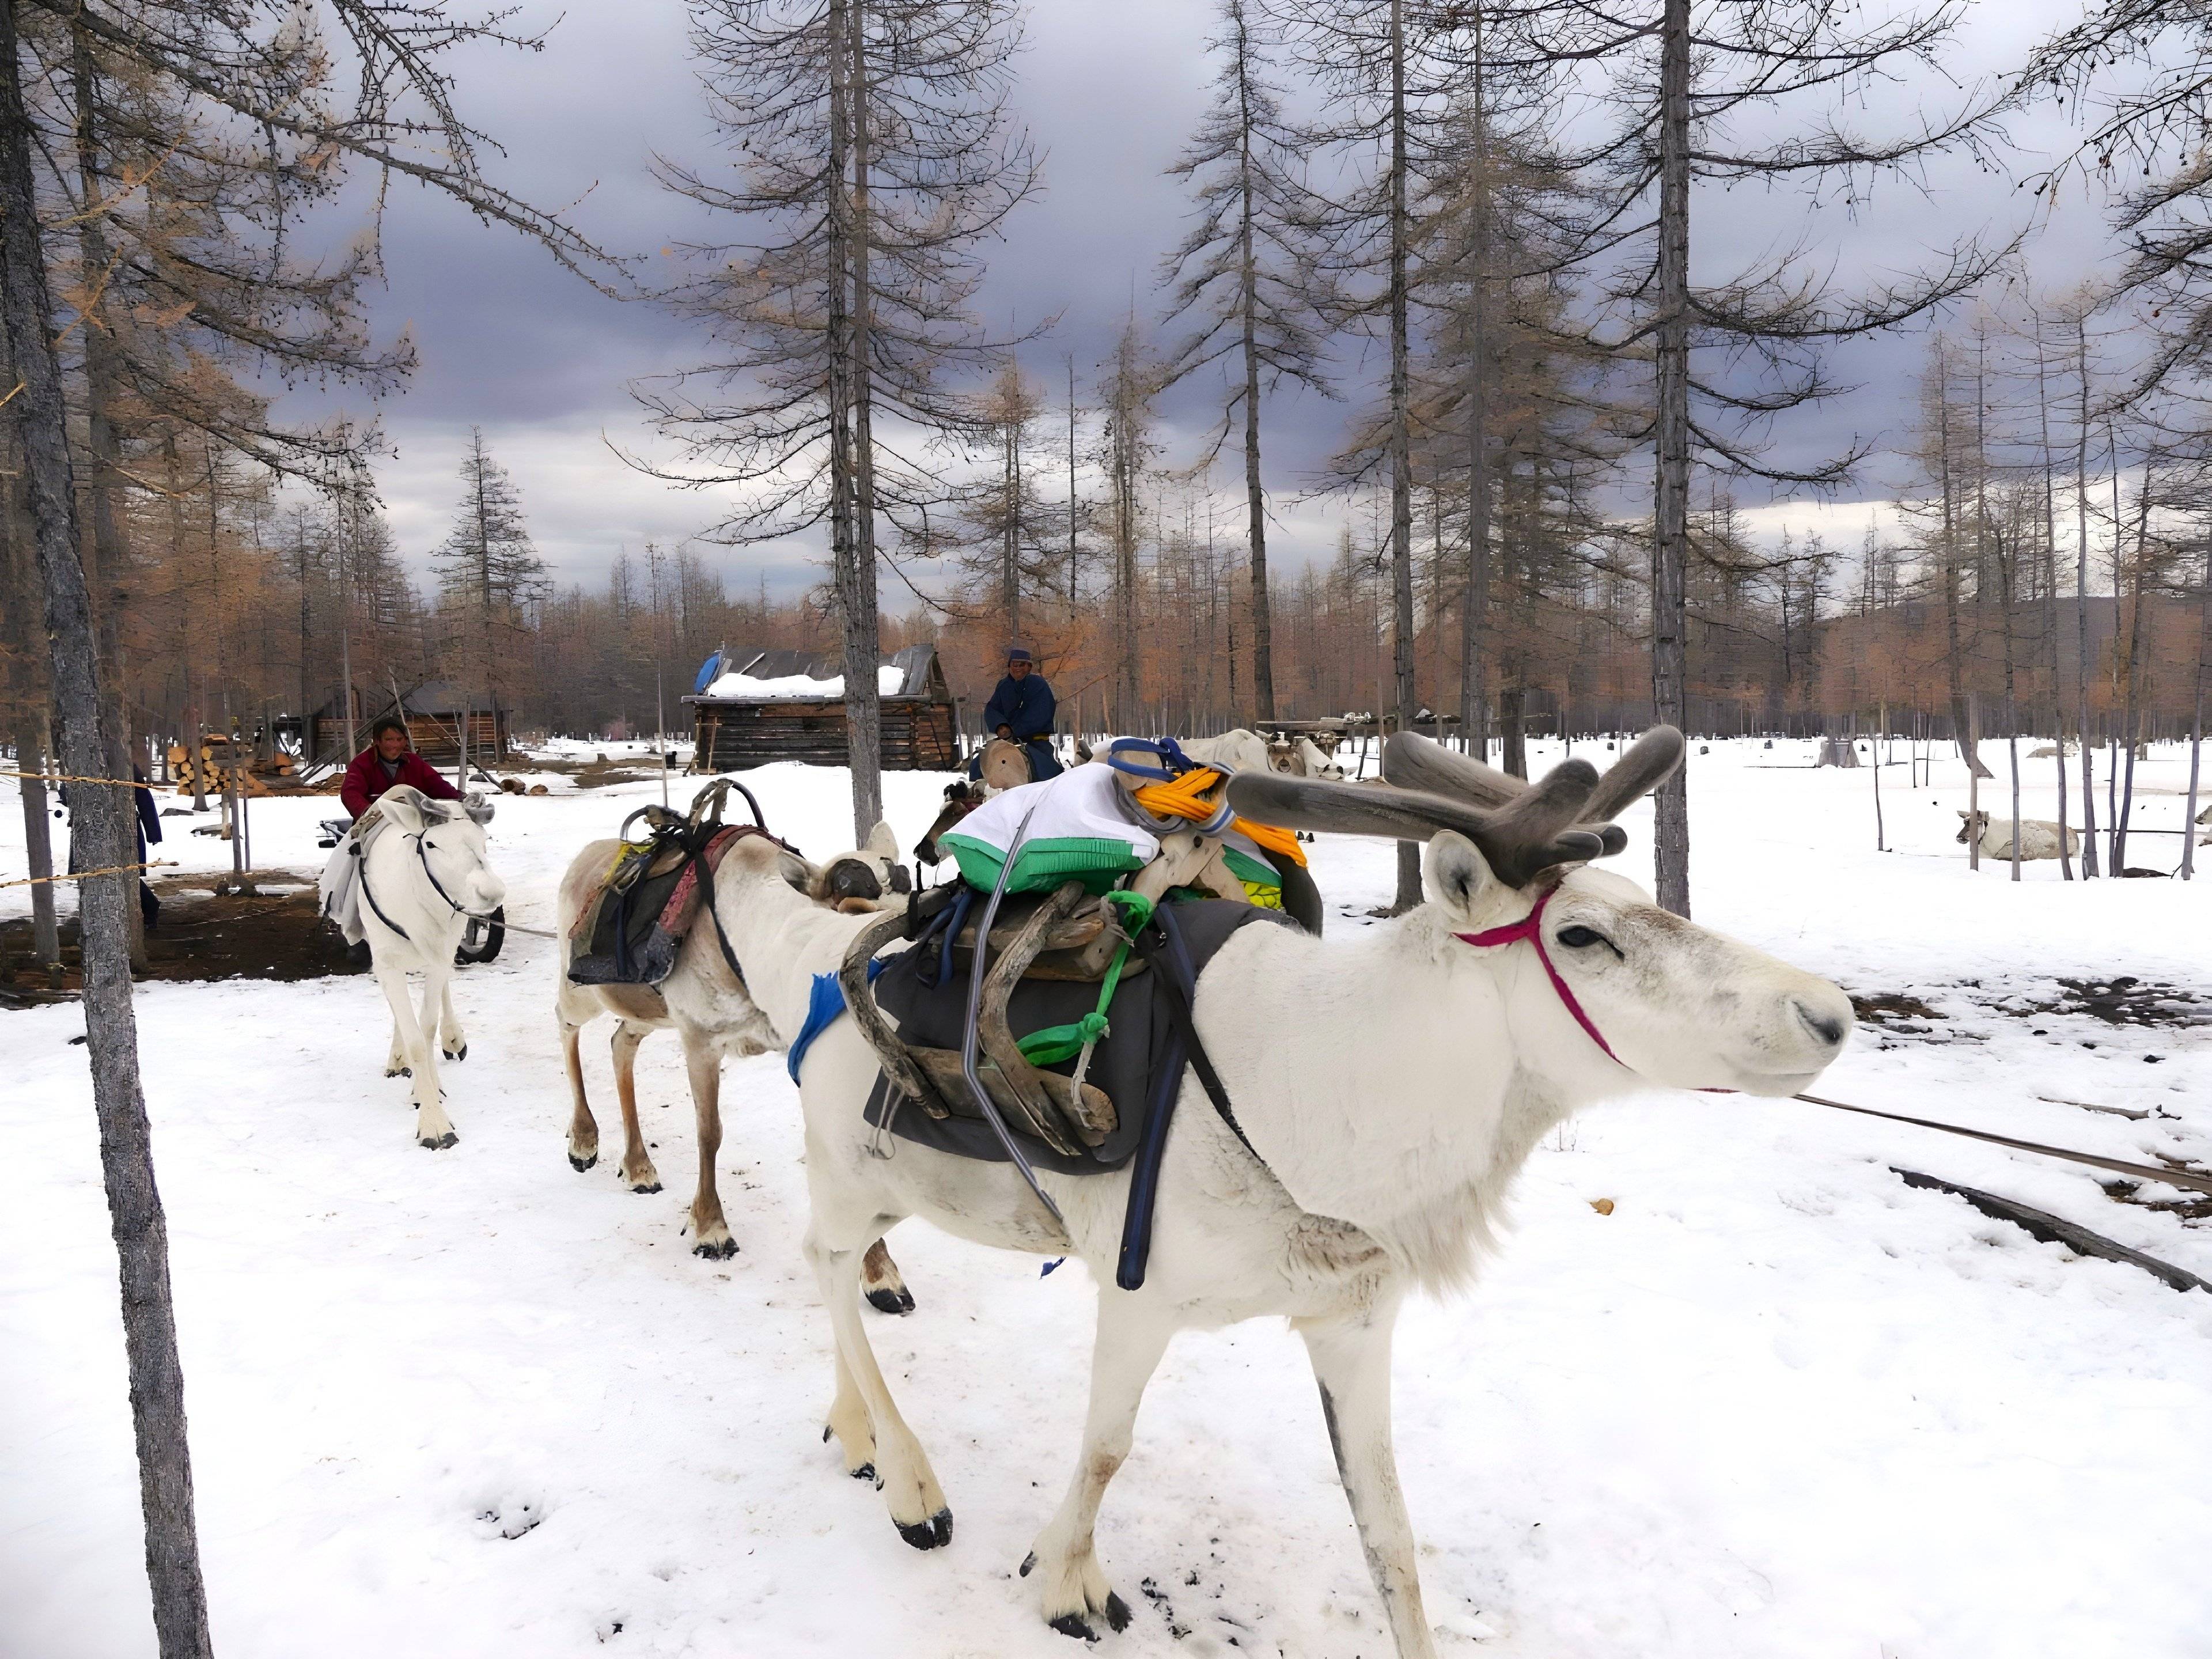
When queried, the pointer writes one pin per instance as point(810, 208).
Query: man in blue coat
point(1022, 710)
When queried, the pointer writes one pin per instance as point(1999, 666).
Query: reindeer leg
point(1352, 1362)
point(848, 1420)
point(433, 1129)
point(881, 1283)
point(395, 1058)
point(452, 1042)
point(583, 1127)
point(910, 1486)
point(638, 1161)
point(710, 1233)
point(1130, 1338)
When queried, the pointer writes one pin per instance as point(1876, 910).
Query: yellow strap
point(1184, 798)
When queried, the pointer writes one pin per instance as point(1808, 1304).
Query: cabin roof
point(429, 697)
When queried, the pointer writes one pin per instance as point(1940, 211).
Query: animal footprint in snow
point(512, 1516)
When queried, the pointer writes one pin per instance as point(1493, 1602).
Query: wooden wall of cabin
point(918, 737)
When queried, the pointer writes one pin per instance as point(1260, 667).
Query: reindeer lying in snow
point(1373, 1139)
point(424, 873)
point(710, 1010)
point(2038, 837)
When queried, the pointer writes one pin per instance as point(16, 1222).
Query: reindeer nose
point(1828, 1027)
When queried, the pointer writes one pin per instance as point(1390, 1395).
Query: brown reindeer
point(1005, 765)
point(709, 1009)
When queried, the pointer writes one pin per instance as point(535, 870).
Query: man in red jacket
point(386, 761)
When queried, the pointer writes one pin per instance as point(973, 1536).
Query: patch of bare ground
point(274, 932)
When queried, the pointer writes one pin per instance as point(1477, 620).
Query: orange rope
point(1184, 798)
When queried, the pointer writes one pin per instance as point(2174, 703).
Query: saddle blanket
point(630, 932)
point(1140, 1062)
point(339, 885)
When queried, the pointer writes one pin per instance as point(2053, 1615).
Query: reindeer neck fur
point(1415, 1080)
point(781, 937)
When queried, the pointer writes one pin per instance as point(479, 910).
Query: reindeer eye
point(1577, 938)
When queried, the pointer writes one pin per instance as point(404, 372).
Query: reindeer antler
point(1530, 833)
point(1523, 828)
point(1413, 761)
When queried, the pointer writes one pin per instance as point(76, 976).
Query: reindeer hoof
point(1073, 1624)
point(641, 1186)
point(883, 1299)
point(866, 1472)
point(717, 1252)
point(1117, 1612)
point(440, 1143)
point(933, 1533)
point(399, 1071)
point(456, 1054)
point(581, 1164)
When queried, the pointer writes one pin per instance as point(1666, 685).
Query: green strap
point(1055, 1043)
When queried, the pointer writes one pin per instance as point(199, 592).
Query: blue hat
point(1018, 655)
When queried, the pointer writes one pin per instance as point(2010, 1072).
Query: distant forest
point(1547, 447)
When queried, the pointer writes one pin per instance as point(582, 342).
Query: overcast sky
point(1109, 89)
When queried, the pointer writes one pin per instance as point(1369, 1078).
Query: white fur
point(2038, 837)
point(1242, 751)
point(392, 870)
point(710, 1011)
point(1391, 1118)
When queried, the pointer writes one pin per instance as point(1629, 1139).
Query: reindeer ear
point(882, 843)
point(405, 806)
point(1458, 875)
point(797, 873)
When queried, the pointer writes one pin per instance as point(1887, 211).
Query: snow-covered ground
point(1775, 1403)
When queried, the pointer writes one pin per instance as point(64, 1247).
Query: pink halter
point(1531, 927)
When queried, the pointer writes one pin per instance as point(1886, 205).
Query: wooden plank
point(2055, 1230)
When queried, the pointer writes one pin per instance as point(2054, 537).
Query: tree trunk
point(2196, 718)
point(2082, 602)
point(19, 572)
point(106, 903)
point(2131, 723)
point(1670, 542)
point(1474, 708)
point(110, 555)
point(2050, 593)
point(863, 713)
point(1513, 724)
point(1401, 448)
point(1255, 505)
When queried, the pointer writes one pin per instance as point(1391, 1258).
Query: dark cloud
point(1110, 89)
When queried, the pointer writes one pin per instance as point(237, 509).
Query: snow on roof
point(794, 677)
point(800, 688)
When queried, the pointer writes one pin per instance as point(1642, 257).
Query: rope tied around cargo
point(1181, 790)
point(1055, 1043)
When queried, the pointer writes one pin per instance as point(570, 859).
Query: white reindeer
point(2038, 837)
point(421, 879)
point(1375, 1137)
point(708, 1008)
point(1242, 751)
point(1234, 751)
point(1302, 757)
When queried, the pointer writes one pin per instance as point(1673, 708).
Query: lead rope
point(1530, 927)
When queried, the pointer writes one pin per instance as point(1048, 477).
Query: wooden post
point(1880, 844)
point(1974, 779)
